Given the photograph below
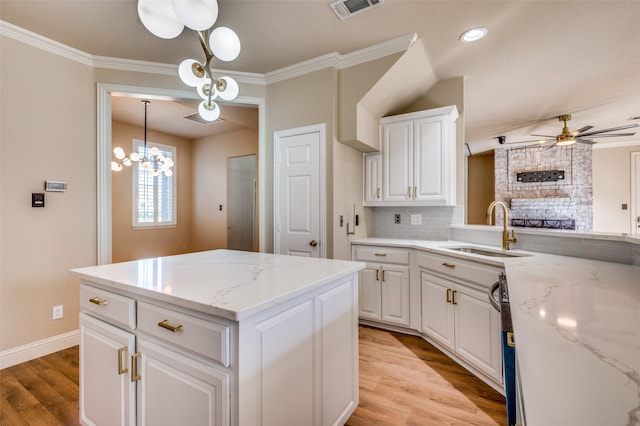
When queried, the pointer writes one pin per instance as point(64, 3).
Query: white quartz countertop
point(577, 331)
point(225, 283)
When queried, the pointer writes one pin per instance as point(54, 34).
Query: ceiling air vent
point(346, 8)
point(197, 118)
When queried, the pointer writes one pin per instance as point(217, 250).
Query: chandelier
point(152, 159)
point(167, 18)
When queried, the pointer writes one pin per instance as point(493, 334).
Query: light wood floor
point(403, 381)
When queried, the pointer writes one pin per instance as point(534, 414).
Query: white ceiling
point(539, 60)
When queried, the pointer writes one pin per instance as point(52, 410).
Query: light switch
point(37, 199)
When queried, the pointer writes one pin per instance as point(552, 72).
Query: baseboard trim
point(37, 349)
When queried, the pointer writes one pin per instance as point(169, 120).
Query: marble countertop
point(577, 330)
point(225, 283)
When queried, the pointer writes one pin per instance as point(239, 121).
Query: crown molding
point(333, 59)
point(607, 145)
point(44, 43)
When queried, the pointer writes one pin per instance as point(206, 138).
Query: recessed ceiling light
point(474, 34)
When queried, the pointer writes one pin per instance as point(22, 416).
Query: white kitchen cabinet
point(456, 313)
point(107, 394)
point(419, 158)
point(384, 285)
point(147, 359)
point(372, 178)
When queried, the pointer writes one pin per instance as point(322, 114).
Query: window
point(154, 197)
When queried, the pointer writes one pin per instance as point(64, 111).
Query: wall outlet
point(397, 219)
point(57, 312)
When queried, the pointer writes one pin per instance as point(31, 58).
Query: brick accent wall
point(570, 198)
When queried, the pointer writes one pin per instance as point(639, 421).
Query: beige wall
point(133, 244)
point(209, 185)
point(480, 186)
point(297, 102)
point(612, 188)
point(48, 131)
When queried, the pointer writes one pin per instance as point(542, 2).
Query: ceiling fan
point(567, 137)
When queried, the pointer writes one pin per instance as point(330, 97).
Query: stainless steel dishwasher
point(515, 406)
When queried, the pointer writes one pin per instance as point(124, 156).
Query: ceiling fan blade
point(613, 135)
point(545, 136)
point(585, 141)
point(531, 142)
point(583, 129)
point(612, 129)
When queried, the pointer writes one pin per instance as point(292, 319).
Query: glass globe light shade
point(209, 111)
point(199, 15)
point(127, 162)
point(164, 167)
point(134, 156)
point(168, 173)
point(191, 72)
point(231, 89)
point(155, 172)
point(146, 164)
point(115, 166)
point(154, 151)
point(119, 153)
point(159, 18)
point(203, 90)
point(224, 43)
point(168, 161)
point(160, 157)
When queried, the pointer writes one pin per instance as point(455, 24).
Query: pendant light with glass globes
point(167, 18)
point(152, 159)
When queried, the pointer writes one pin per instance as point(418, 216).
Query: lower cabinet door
point(107, 394)
point(369, 293)
point(437, 309)
point(395, 294)
point(478, 331)
point(176, 390)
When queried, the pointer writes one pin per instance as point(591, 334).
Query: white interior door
point(299, 199)
point(635, 192)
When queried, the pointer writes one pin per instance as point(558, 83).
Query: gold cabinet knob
point(313, 243)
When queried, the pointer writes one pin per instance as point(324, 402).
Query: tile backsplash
point(435, 222)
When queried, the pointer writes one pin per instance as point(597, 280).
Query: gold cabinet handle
point(383, 275)
point(377, 276)
point(448, 295)
point(408, 192)
point(448, 265)
point(96, 300)
point(510, 340)
point(380, 254)
point(415, 192)
point(122, 370)
point(453, 297)
point(174, 328)
point(313, 243)
point(134, 367)
point(377, 192)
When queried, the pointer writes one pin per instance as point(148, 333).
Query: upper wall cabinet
point(418, 158)
point(372, 178)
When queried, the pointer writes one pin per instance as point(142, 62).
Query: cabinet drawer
point(381, 254)
point(484, 275)
point(109, 306)
point(206, 338)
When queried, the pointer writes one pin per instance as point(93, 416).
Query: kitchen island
point(219, 337)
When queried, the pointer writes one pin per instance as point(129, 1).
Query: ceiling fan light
point(225, 44)
point(565, 140)
point(474, 34)
point(199, 15)
point(159, 18)
point(209, 110)
point(191, 72)
point(228, 88)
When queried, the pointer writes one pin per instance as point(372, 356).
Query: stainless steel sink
point(485, 252)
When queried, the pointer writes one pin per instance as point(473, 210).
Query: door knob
point(313, 243)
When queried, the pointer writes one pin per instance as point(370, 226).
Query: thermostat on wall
point(53, 185)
